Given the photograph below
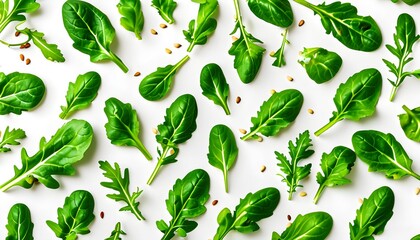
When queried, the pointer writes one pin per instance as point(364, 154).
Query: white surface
point(145, 56)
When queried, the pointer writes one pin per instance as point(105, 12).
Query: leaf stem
point(118, 61)
point(191, 46)
point(226, 108)
point(15, 44)
point(306, 4)
point(393, 92)
point(249, 135)
point(181, 62)
point(239, 20)
point(326, 127)
point(226, 180)
point(158, 165)
point(143, 149)
point(318, 193)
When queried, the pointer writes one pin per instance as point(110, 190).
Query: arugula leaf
point(11, 138)
point(404, 38)
point(156, 85)
point(373, 215)
point(81, 93)
point(120, 183)
point(383, 153)
point(165, 9)
point(223, 150)
point(320, 64)
point(275, 114)
point(214, 85)
point(311, 226)
point(179, 124)
point(75, 216)
point(15, 14)
point(410, 123)
point(354, 31)
point(55, 157)
point(132, 18)
point(20, 92)
point(115, 235)
point(294, 173)
point(276, 12)
point(248, 55)
point(50, 51)
point(335, 166)
point(201, 28)
point(19, 224)
point(91, 31)
point(250, 210)
point(186, 200)
point(279, 54)
point(356, 98)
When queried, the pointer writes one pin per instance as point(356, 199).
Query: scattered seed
point(155, 131)
point(153, 31)
point(238, 99)
point(102, 214)
point(137, 74)
point(22, 58)
point(260, 139)
point(272, 53)
point(27, 45)
point(168, 51)
point(288, 224)
point(303, 194)
point(22, 46)
point(177, 45)
point(171, 151)
point(162, 25)
point(234, 38)
point(289, 78)
point(214, 202)
point(289, 217)
point(301, 22)
point(417, 191)
point(243, 131)
point(28, 61)
point(17, 33)
point(272, 91)
point(310, 111)
point(263, 168)
point(360, 200)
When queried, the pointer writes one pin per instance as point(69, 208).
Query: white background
point(148, 54)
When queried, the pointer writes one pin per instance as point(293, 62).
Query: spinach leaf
point(201, 28)
point(156, 85)
point(298, 151)
point(373, 215)
point(165, 9)
point(417, 237)
point(20, 92)
point(276, 12)
point(248, 55)
point(409, 2)
point(354, 31)
point(335, 166)
point(320, 64)
point(279, 54)
point(120, 183)
point(383, 153)
point(15, 14)
point(311, 226)
point(91, 31)
point(132, 18)
point(81, 93)
point(115, 235)
point(410, 123)
point(75, 216)
point(214, 85)
point(223, 150)
point(356, 98)
point(123, 126)
point(250, 210)
point(50, 51)
point(11, 138)
point(179, 124)
point(186, 200)
point(55, 157)
point(276, 113)
point(19, 224)
point(404, 38)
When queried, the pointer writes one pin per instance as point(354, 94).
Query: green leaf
point(298, 151)
point(179, 124)
point(354, 31)
point(20, 92)
point(275, 114)
point(15, 14)
point(156, 85)
point(75, 216)
point(404, 38)
point(19, 224)
point(165, 9)
point(409, 2)
point(120, 183)
point(132, 18)
point(383, 153)
point(417, 237)
point(203, 26)
point(81, 93)
point(373, 215)
point(250, 210)
point(335, 167)
point(311, 226)
point(279, 54)
point(223, 150)
point(55, 157)
point(91, 31)
point(11, 138)
point(320, 64)
point(123, 127)
point(115, 235)
point(186, 200)
point(356, 98)
point(276, 12)
point(410, 123)
point(50, 51)
point(214, 85)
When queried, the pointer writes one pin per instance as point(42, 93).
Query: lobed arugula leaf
point(276, 12)
point(50, 51)
point(214, 85)
point(115, 235)
point(19, 223)
point(410, 123)
point(279, 54)
point(132, 18)
point(165, 9)
point(11, 138)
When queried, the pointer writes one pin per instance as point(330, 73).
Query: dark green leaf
point(75, 216)
point(277, 12)
point(409, 2)
point(20, 92)
point(410, 123)
point(132, 18)
point(214, 85)
point(417, 237)
point(19, 224)
point(15, 14)
point(11, 138)
point(165, 9)
point(115, 235)
point(50, 51)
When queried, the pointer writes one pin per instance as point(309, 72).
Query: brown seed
point(310, 111)
point(238, 99)
point(177, 45)
point(162, 25)
point(289, 217)
point(272, 53)
point(360, 200)
point(28, 61)
point(168, 51)
point(153, 31)
point(22, 58)
point(102, 214)
point(22, 46)
point(171, 151)
point(243, 131)
point(260, 139)
point(17, 33)
point(155, 131)
point(137, 74)
point(303, 194)
point(289, 78)
point(27, 45)
point(234, 38)
point(288, 224)
point(263, 168)
point(417, 191)
point(301, 22)
point(214, 202)
point(272, 91)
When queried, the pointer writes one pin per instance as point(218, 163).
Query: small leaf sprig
point(11, 138)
